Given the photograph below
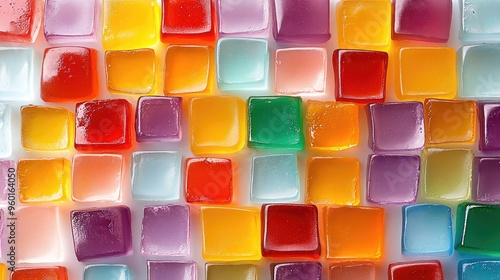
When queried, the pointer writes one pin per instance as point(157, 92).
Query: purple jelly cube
point(101, 232)
point(243, 17)
point(486, 179)
point(297, 270)
point(171, 270)
point(7, 175)
point(489, 125)
point(299, 21)
point(158, 119)
point(396, 126)
point(70, 20)
point(393, 179)
point(165, 230)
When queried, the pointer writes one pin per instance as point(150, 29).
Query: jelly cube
point(331, 125)
point(16, 77)
point(243, 18)
point(478, 269)
point(70, 21)
point(106, 271)
point(46, 128)
point(486, 175)
point(5, 131)
point(418, 270)
point(35, 273)
point(171, 270)
point(218, 124)
point(209, 180)
point(7, 179)
point(489, 127)
point(478, 21)
point(446, 174)
point(103, 125)
point(158, 119)
point(188, 70)
point(392, 179)
point(450, 121)
point(396, 126)
point(427, 230)
point(231, 271)
point(478, 71)
point(364, 24)
point(354, 233)
point(275, 178)
point(299, 21)
point(333, 180)
point(242, 64)
point(130, 24)
point(156, 175)
point(275, 123)
point(351, 66)
point(101, 232)
point(352, 271)
point(97, 177)
point(230, 233)
point(132, 71)
point(300, 71)
point(43, 180)
point(296, 270)
point(426, 72)
point(3, 271)
point(20, 20)
point(422, 20)
point(165, 230)
point(280, 237)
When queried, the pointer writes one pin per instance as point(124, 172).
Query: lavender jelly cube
point(158, 119)
point(101, 232)
point(486, 179)
point(297, 270)
point(5, 174)
point(171, 270)
point(69, 20)
point(165, 230)
point(243, 18)
point(396, 126)
point(489, 126)
point(393, 179)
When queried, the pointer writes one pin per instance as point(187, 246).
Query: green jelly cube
point(275, 123)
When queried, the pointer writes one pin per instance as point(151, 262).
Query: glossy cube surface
point(485, 178)
point(478, 71)
point(208, 180)
point(478, 269)
point(297, 270)
point(158, 119)
point(131, 71)
point(16, 78)
point(478, 22)
point(20, 20)
point(352, 271)
point(243, 18)
point(171, 270)
point(417, 270)
point(46, 273)
point(70, 21)
point(106, 271)
point(489, 129)
point(5, 130)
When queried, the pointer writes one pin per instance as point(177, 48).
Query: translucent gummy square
point(16, 74)
point(479, 21)
point(5, 131)
point(70, 20)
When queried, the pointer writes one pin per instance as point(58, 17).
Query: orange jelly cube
point(45, 273)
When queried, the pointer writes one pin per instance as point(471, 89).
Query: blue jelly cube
point(242, 64)
point(479, 72)
point(275, 178)
point(16, 73)
point(5, 130)
point(106, 271)
point(479, 20)
point(156, 175)
point(478, 269)
point(427, 230)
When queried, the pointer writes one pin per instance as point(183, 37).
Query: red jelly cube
point(209, 180)
point(69, 74)
point(422, 270)
point(103, 125)
point(20, 20)
point(46, 273)
point(188, 20)
point(360, 76)
point(290, 230)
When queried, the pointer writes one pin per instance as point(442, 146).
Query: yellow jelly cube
point(426, 72)
point(364, 24)
point(43, 180)
point(230, 233)
point(131, 71)
point(130, 24)
point(333, 181)
point(46, 128)
point(3, 271)
point(218, 124)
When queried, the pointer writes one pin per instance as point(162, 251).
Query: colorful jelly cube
point(354, 233)
point(331, 125)
point(301, 21)
point(489, 127)
point(333, 180)
point(46, 128)
point(106, 271)
point(97, 177)
point(130, 24)
point(392, 179)
point(300, 71)
point(426, 72)
point(486, 175)
point(7, 179)
point(396, 126)
point(158, 119)
point(230, 233)
point(208, 180)
point(243, 18)
point(34, 273)
point(352, 271)
point(165, 230)
point(242, 64)
point(429, 270)
point(171, 270)
point(275, 178)
point(101, 232)
point(5, 131)
point(296, 270)
point(478, 71)
point(479, 22)
point(16, 77)
point(478, 269)
point(3, 271)
point(279, 235)
point(103, 125)
point(275, 123)
point(131, 71)
point(70, 21)
point(20, 20)
point(446, 174)
point(231, 271)
point(156, 175)
point(218, 124)
point(351, 66)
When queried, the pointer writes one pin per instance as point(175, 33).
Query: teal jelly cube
point(16, 73)
point(427, 230)
point(156, 175)
point(275, 178)
point(479, 21)
point(106, 271)
point(275, 123)
point(479, 72)
point(242, 64)
point(479, 269)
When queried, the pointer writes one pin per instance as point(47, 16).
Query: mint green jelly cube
point(106, 271)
